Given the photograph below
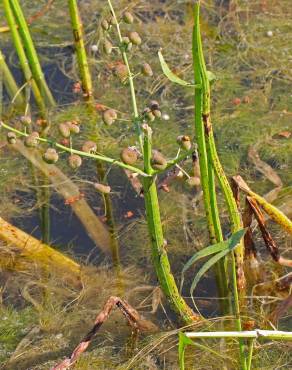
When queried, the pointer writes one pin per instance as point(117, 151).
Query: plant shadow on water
point(43, 316)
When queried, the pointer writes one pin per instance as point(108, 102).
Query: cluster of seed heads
point(89, 147)
point(66, 129)
point(11, 137)
point(51, 156)
point(32, 140)
point(152, 111)
point(158, 161)
point(25, 120)
point(129, 155)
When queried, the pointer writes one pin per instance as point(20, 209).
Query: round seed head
point(121, 71)
point(150, 116)
point(31, 141)
point(50, 156)
point(146, 70)
point(104, 189)
point(154, 105)
point(109, 116)
point(105, 25)
point(74, 128)
point(112, 21)
point(157, 113)
point(158, 161)
point(129, 156)
point(127, 43)
point(128, 18)
point(135, 38)
point(25, 120)
point(193, 181)
point(184, 142)
point(89, 146)
point(64, 129)
point(107, 47)
point(74, 161)
point(11, 137)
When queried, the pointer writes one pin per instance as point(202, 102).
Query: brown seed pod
point(135, 38)
point(109, 116)
point(25, 120)
point(158, 161)
point(107, 47)
point(193, 181)
point(128, 18)
point(105, 25)
point(31, 141)
point(184, 142)
point(74, 128)
point(121, 71)
point(64, 129)
point(11, 137)
point(89, 146)
point(74, 161)
point(50, 156)
point(146, 70)
point(104, 189)
point(129, 156)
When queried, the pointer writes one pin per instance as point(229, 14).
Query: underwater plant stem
point(22, 56)
point(32, 54)
point(78, 34)
point(136, 120)
point(9, 82)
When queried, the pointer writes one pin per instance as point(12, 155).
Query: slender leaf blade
point(169, 74)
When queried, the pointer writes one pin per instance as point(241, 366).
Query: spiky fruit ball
point(64, 129)
point(107, 47)
point(146, 70)
point(25, 120)
point(89, 146)
point(11, 137)
point(31, 141)
point(129, 156)
point(74, 161)
point(128, 18)
point(184, 142)
point(109, 116)
point(158, 161)
point(104, 189)
point(105, 25)
point(135, 38)
point(50, 156)
point(121, 71)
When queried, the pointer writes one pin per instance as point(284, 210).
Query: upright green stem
point(9, 82)
point(22, 56)
point(200, 69)
point(31, 53)
point(80, 49)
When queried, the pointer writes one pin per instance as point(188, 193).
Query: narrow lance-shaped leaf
point(232, 243)
point(233, 240)
point(169, 74)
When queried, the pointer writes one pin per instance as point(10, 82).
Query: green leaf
point(232, 242)
point(169, 74)
point(211, 249)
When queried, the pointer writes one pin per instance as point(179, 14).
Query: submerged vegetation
point(145, 138)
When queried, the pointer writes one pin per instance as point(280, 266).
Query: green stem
point(79, 152)
point(31, 53)
point(22, 56)
point(9, 82)
point(80, 49)
point(136, 120)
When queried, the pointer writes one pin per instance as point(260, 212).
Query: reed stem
point(31, 53)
